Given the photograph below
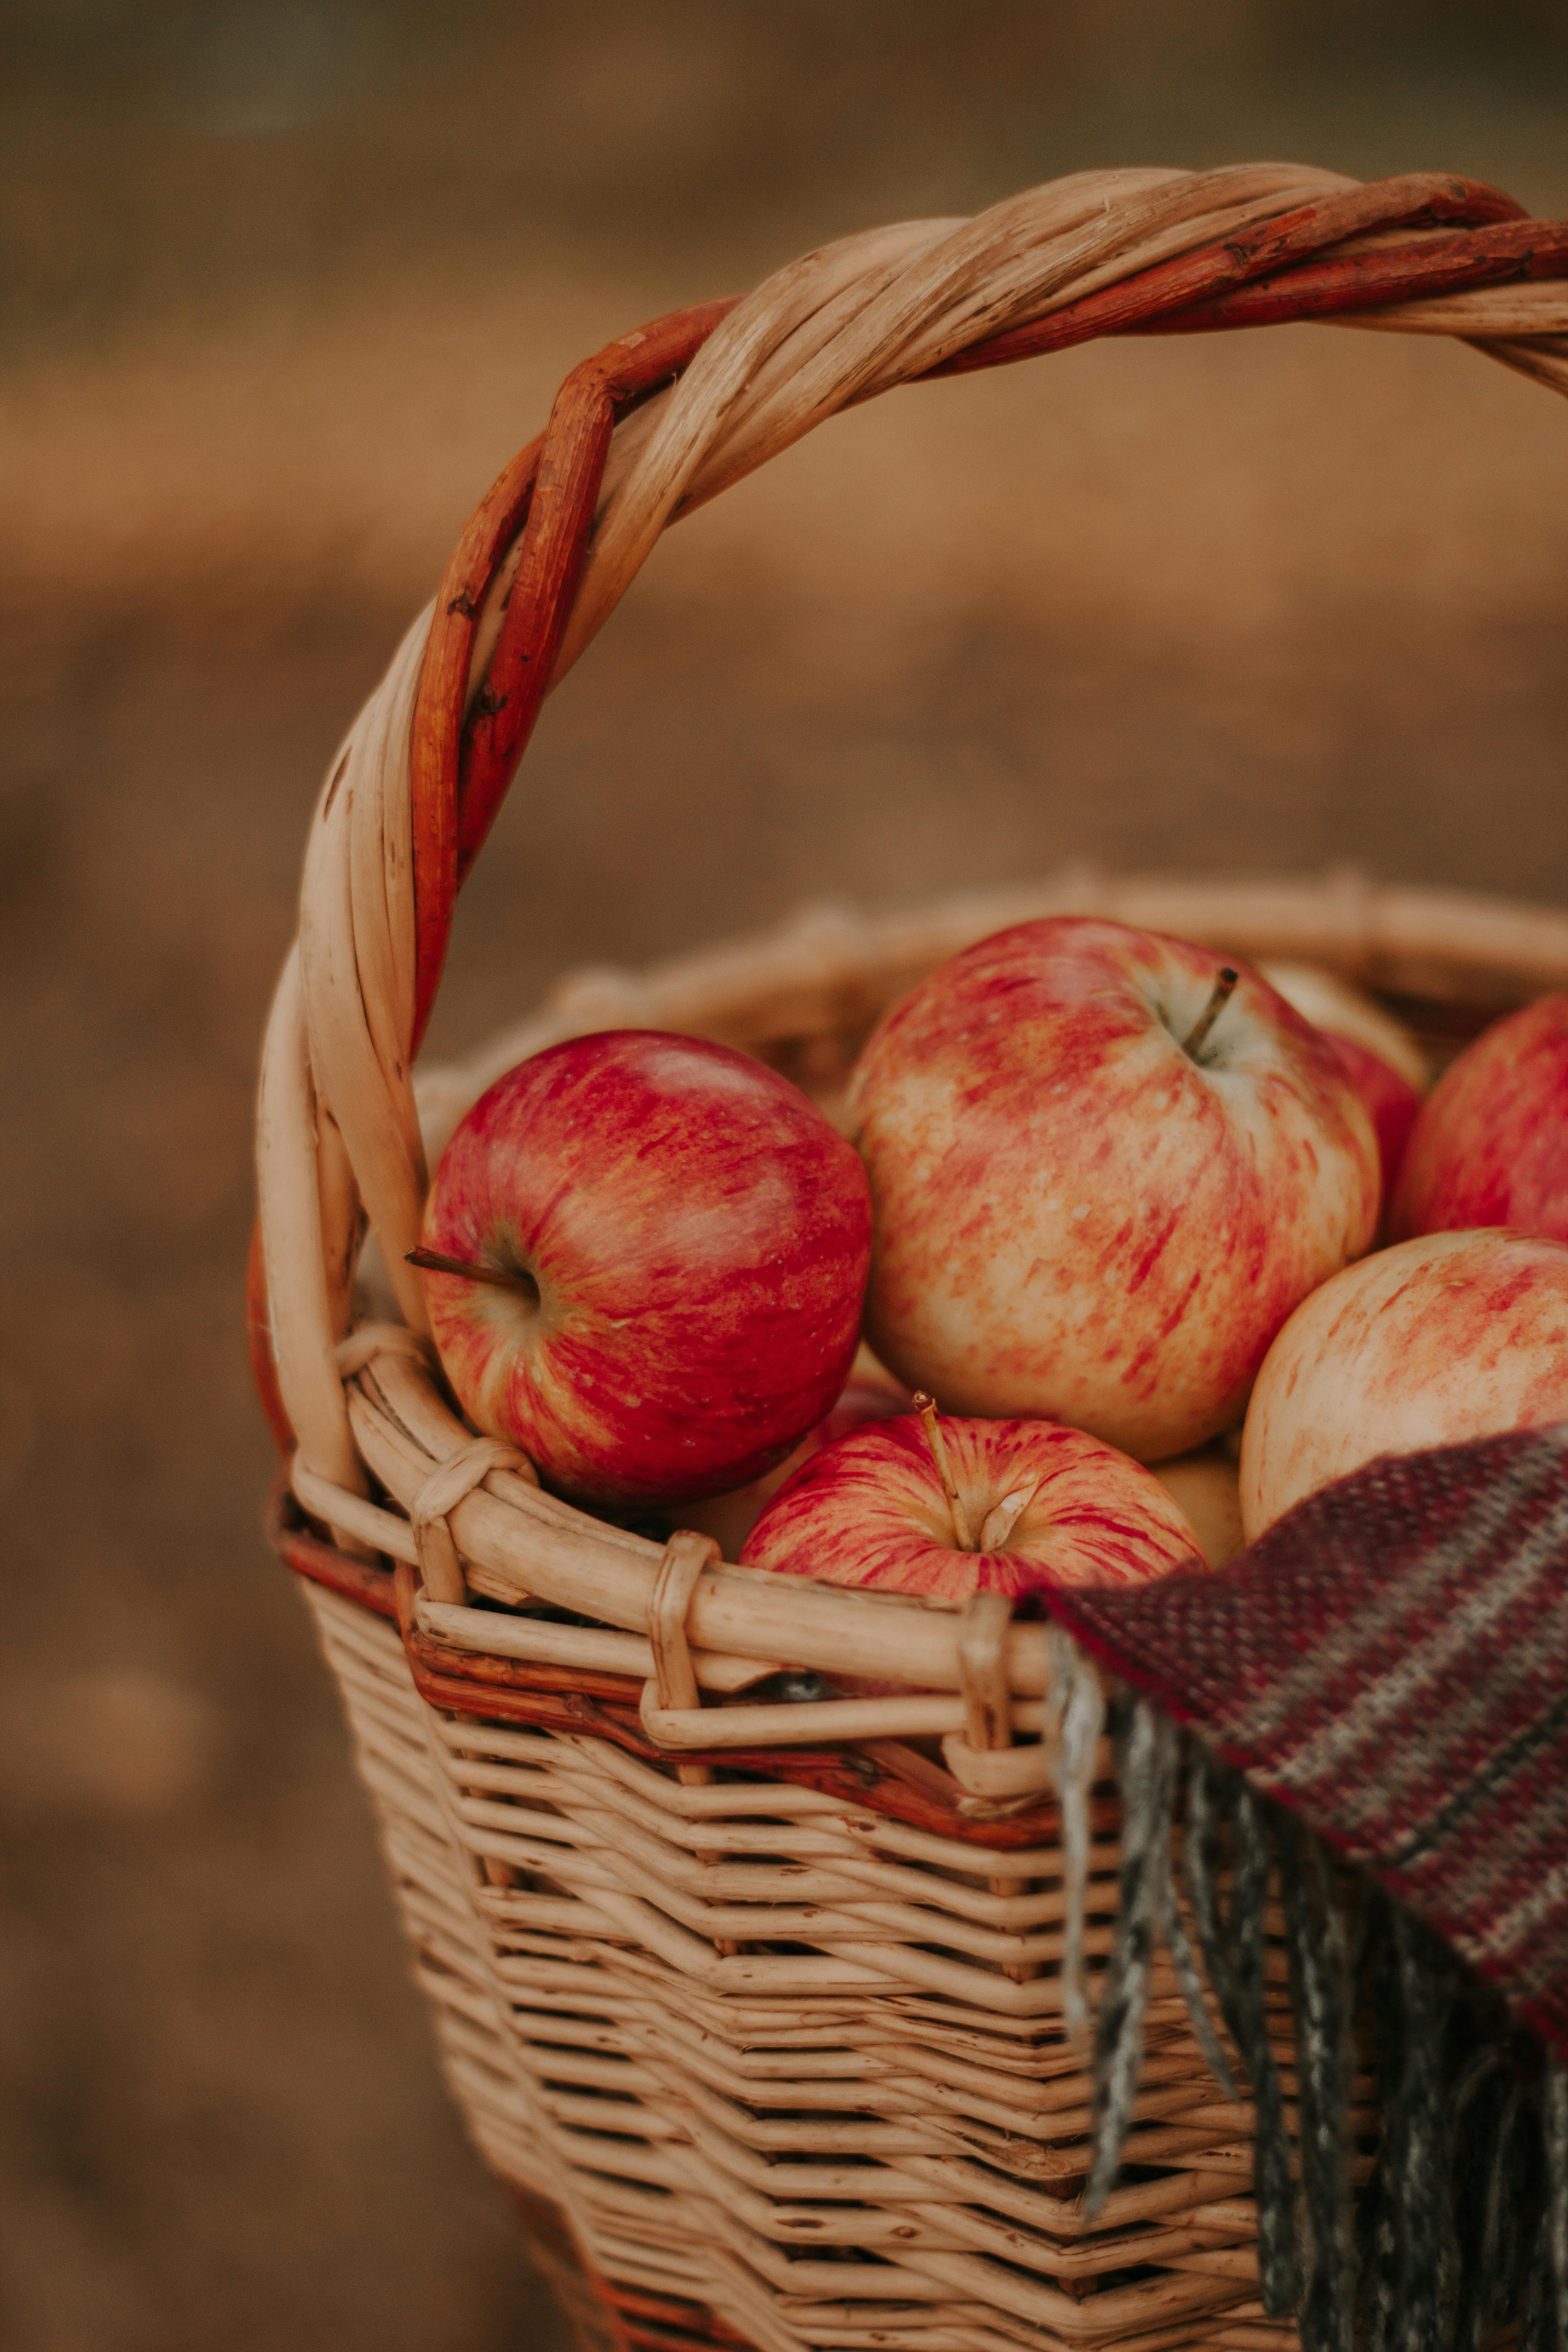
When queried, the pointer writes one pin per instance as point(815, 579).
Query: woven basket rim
point(1457, 950)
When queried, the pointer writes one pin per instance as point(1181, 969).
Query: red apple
point(1449, 1336)
point(729, 1518)
point(1383, 1059)
point(1329, 1002)
point(1089, 1208)
point(1392, 1103)
point(1491, 1146)
point(1036, 1505)
point(671, 1246)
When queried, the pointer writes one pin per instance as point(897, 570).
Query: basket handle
point(539, 511)
point(641, 434)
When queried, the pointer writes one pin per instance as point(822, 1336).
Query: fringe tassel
point(1211, 1811)
point(1463, 2230)
point(1184, 1960)
point(1147, 1745)
point(1320, 1997)
point(1465, 2225)
point(1148, 1751)
point(1418, 2153)
point(1272, 2187)
point(1487, 2106)
point(1555, 2134)
point(1379, 2240)
point(1535, 2334)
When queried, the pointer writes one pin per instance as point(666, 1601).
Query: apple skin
point(729, 1518)
point(700, 1238)
point(871, 1511)
point(1383, 1059)
point(1392, 1105)
point(1075, 1219)
point(1442, 1339)
point(1491, 1146)
point(1329, 1002)
point(1204, 1486)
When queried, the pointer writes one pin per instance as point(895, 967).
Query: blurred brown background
point(284, 283)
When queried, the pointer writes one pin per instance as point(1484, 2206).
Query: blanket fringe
point(1462, 2231)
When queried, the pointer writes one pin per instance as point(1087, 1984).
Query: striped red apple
point(1105, 1168)
point(1442, 1339)
point(645, 1257)
point(1491, 1146)
point(1384, 1060)
point(728, 1518)
point(948, 1507)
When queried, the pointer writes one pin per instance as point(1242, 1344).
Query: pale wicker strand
point(1544, 361)
point(351, 1514)
point(298, 1303)
point(862, 339)
point(989, 272)
point(356, 939)
point(377, 861)
point(771, 418)
point(590, 1648)
point(374, 1339)
point(342, 1221)
point(864, 270)
point(447, 1485)
point(695, 413)
point(1539, 308)
point(1033, 254)
point(985, 274)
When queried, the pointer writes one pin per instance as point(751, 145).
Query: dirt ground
point(291, 283)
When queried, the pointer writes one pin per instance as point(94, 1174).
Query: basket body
point(764, 2016)
point(782, 2059)
point(804, 2147)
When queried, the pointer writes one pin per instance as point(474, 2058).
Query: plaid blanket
point(1390, 1663)
point(1387, 1668)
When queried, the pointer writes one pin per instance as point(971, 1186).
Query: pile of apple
point(1104, 1200)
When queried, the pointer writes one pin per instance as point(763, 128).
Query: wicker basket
point(763, 2012)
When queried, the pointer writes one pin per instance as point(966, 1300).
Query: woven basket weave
point(759, 2008)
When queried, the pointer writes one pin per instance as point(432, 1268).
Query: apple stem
point(1219, 998)
point(438, 1262)
point(931, 1421)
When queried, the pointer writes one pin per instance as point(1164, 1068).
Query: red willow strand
point(460, 772)
point(594, 400)
point(1209, 271)
point(438, 725)
point(1342, 283)
point(259, 1347)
